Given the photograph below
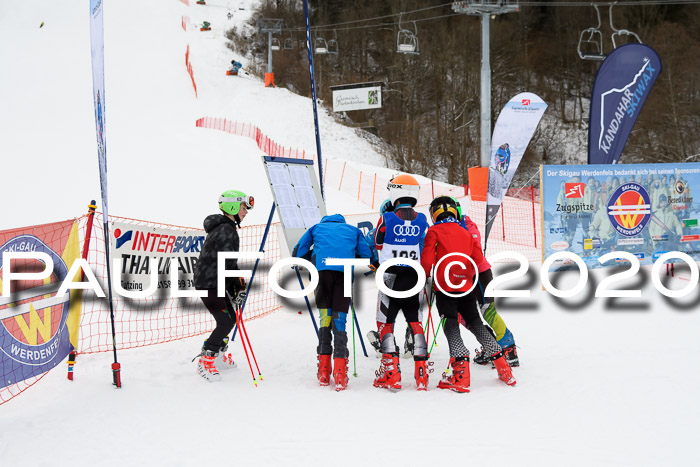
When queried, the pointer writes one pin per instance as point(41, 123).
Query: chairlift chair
point(407, 40)
point(289, 42)
point(320, 46)
point(275, 44)
point(618, 33)
point(590, 43)
point(333, 44)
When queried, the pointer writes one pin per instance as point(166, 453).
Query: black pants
point(222, 310)
point(485, 279)
point(400, 279)
point(451, 308)
point(333, 312)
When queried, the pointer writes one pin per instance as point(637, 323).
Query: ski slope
point(601, 382)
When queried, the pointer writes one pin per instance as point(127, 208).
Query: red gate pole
point(534, 221)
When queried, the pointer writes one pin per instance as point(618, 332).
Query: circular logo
point(680, 187)
point(34, 316)
point(409, 230)
point(629, 209)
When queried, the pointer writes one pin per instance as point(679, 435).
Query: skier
point(222, 235)
point(332, 238)
point(400, 234)
point(446, 237)
point(487, 305)
point(503, 158)
point(235, 66)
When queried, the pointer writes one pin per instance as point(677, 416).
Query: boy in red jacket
point(447, 240)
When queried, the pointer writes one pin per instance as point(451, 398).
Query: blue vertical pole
point(255, 268)
point(309, 47)
point(306, 297)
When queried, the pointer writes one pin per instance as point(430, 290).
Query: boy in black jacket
point(222, 235)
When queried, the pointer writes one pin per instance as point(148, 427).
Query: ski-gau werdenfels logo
point(629, 209)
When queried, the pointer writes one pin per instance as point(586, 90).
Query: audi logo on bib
point(407, 230)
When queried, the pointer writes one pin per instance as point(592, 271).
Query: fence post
point(374, 189)
point(503, 221)
point(534, 221)
point(341, 176)
point(359, 185)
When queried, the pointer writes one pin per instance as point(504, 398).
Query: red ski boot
point(324, 370)
point(389, 373)
point(458, 380)
point(504, 372)
point(340, 373)
point(421, 375)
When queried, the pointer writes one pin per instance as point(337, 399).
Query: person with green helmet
point(222, 235)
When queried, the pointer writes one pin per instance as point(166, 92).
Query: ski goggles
point(248, 201)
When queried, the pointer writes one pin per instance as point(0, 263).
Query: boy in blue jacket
point(332, 238)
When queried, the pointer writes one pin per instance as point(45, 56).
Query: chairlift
point(407, 40)
point(275, 44)
point(590, 43)
point(320, 46)
point(289, 42)
point(620, 32)
point(333, 44)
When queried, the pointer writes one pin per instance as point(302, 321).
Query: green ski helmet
point(459, 207)
point(230, 201)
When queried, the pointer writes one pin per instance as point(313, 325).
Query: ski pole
point(244, 332)
point(436, 332)
point(238, 313)
point(354, 356)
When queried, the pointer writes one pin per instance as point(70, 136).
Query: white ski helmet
point(404, 187)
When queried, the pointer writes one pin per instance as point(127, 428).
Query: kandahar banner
point(98, 92)
point(513, 131)
point(621, 87)
point(644, 209)
point(37, 328)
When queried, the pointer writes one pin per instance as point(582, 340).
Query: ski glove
point(240, 298)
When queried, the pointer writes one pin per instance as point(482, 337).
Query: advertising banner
point(356, 97)
point(34, 336)
point(98, 92)
point(513, 131)
point(644, 209)
point(623, 82)
point(141, 248)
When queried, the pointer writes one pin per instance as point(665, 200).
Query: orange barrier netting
point(188, 64)
point(162, 318)
point(266, 144)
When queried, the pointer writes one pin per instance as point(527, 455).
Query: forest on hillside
point(430, 118)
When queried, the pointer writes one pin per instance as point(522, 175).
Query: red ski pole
point(245, 333)
point(238, 320)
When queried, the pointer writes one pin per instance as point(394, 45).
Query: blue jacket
point(332, 238)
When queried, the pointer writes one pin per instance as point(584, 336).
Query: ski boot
point(504, 373)
point(408, 344)
point(458, 380)
point(224, 360)
point(324, 370)
point(421, 373)
point(389, 373)
point(480, 357)
point(206, 366)
point(373, 337)
point(511, 356)
point(340, 373)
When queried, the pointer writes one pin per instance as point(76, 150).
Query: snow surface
point(601, 383)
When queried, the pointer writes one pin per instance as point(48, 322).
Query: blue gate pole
point(306, 297)
point(255, 268)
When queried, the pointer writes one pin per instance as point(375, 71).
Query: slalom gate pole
point(239, 313)
point(306, 298)
point(354, 318)
point(313, 97)
point(116, 367)
point(73, 355)
point(255, 268)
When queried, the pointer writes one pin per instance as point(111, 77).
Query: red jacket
point(442, 239)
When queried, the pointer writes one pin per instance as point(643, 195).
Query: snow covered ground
point(601, 383)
